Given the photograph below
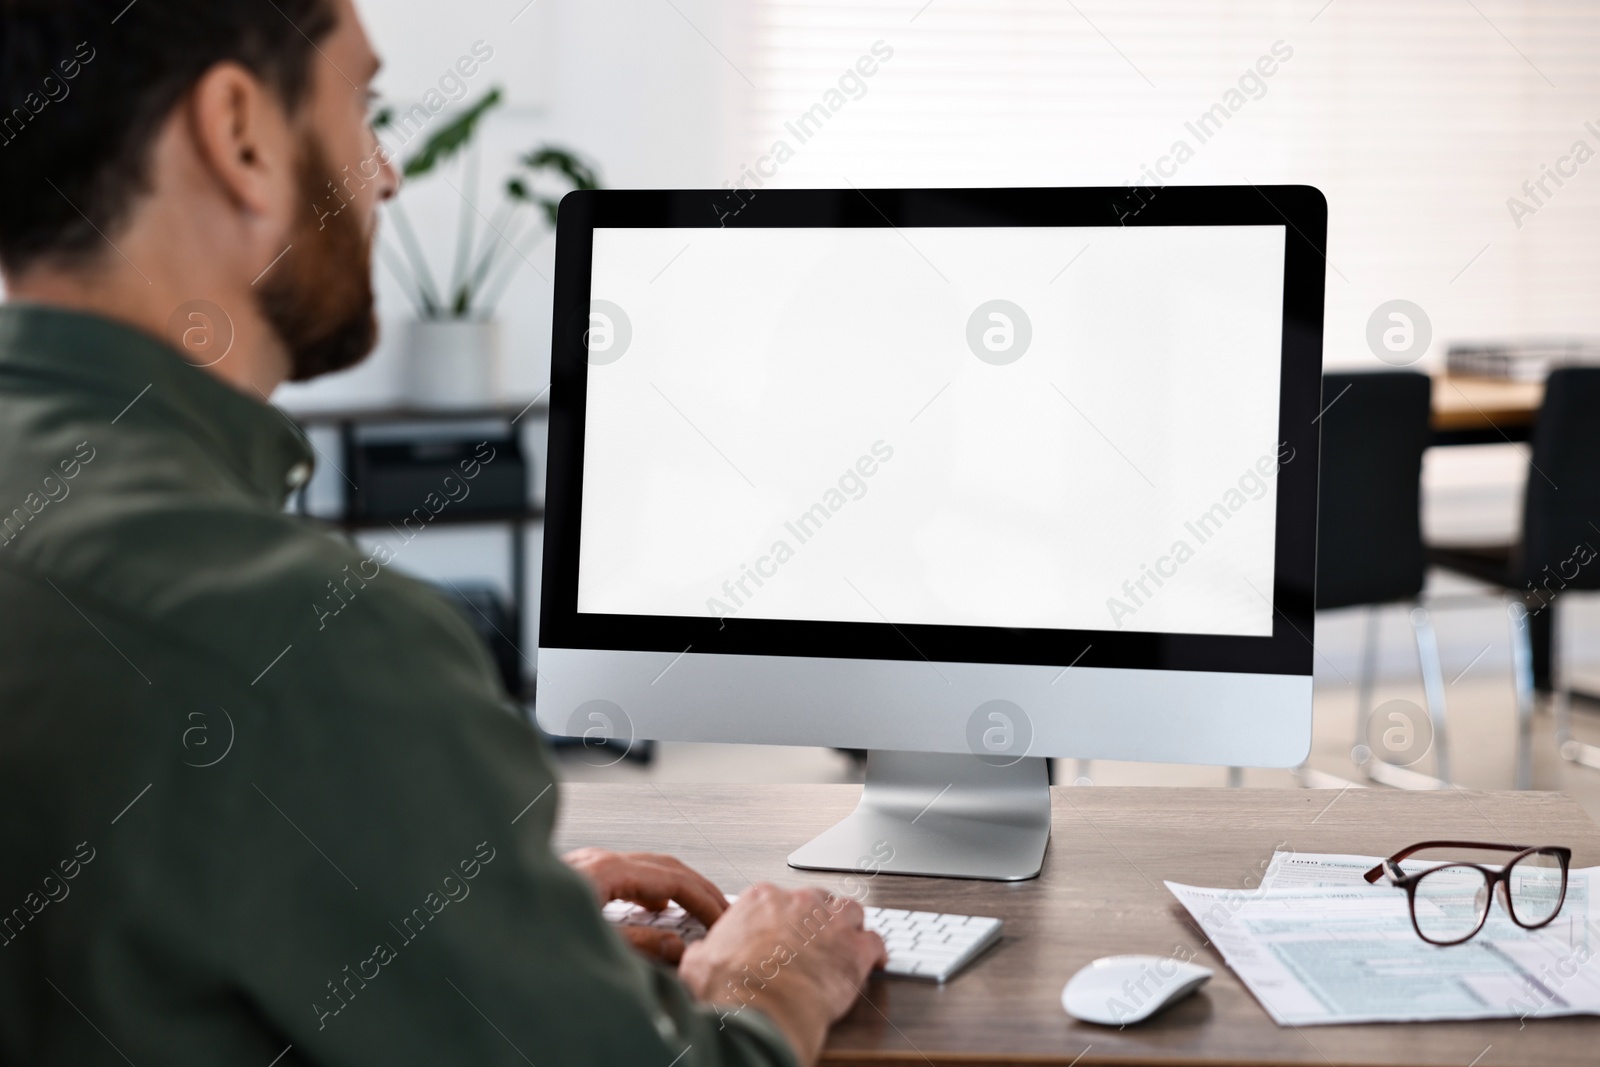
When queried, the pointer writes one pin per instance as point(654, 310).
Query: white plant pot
point(452, 363)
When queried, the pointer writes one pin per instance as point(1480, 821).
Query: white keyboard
point(921, 944)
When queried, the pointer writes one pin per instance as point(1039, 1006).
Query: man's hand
point(651, 881)
point(798, 956)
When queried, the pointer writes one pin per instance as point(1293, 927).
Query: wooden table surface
point(1101, 894)
point(1467, 403)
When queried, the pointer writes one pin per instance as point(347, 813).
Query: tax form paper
point(1315, 944)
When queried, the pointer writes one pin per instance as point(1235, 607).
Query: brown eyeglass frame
point(1494, 878)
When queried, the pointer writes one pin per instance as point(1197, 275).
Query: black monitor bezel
point(1301, 210)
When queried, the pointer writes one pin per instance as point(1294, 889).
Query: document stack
point(1522, 361)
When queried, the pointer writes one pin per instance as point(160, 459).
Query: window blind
point(1456, 140)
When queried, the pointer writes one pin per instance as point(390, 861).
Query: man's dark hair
point(85, 86)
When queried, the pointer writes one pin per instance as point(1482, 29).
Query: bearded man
point(234, 835)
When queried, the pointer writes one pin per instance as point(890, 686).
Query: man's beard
point(319, 301)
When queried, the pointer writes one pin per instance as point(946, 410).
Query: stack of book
point(1522, 361)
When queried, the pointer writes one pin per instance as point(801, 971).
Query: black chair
point(1375, 427)
point(495, 624)
point(1557, 553)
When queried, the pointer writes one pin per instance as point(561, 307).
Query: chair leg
point(1522, 680)
point(1433, 686)
point(1369, 671)
point(1379, 770)
point(1312, 779)
point(1572, 750)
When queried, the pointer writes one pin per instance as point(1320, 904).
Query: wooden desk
point(1483, 410)
point(1101, 894)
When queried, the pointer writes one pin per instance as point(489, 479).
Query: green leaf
point(454, 137)
point(563, 162)
point(551, 159)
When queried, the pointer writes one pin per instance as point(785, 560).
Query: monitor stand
point(942, 816)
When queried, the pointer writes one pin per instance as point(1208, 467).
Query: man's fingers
point(876, 953)
point(712, 899)
point(701, 899)
point(652, 881)
point(661, 944)
point(648, 899)
point(699, 895)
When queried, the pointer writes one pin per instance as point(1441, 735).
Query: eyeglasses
point(1450, 902)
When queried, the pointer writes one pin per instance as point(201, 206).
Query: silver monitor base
point(941, 816)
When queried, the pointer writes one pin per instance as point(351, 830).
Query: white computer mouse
point(1118, 990)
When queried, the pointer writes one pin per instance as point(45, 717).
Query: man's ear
point(242, 137)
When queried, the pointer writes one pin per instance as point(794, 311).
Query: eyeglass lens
point(1536, 884)
point(1450, 903)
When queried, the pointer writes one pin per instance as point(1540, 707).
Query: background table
point(1483, 411)
point(1101, 894)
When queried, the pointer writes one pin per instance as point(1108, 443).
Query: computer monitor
point(967, 478)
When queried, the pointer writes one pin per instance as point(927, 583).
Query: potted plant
point(451, 351)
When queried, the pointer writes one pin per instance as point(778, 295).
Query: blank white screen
point(769, 369)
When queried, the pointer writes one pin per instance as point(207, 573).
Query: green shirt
point(264, 796)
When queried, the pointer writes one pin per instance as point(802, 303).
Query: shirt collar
point(133, 376)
